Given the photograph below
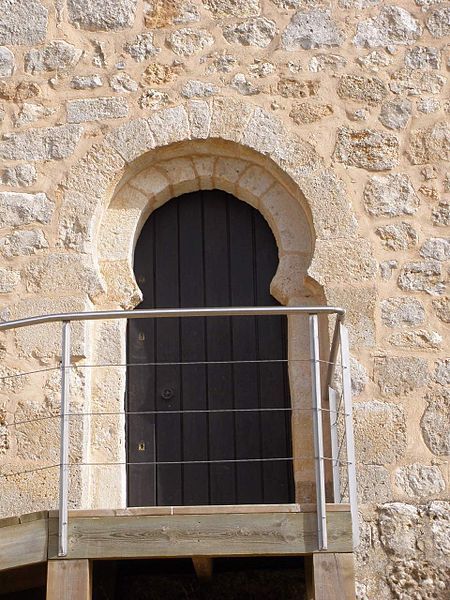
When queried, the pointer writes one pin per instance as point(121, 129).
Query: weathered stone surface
point(415, 82)
point(439, 515)
point(422, 277)
point(421, 339)
point(50, 143)
point(142, 47)
point(307, 112)
point(419, 481)
point(187, 42)
point(239, 9)
point(359, 377)
point(399, 375)
point(311, 29)
point(7, 62)
point(199, 114)
point(367, 149)
point(98, 15)
point(390, 195)
point(436, 248)
point(441, 374)
point(169, 125)
point(153, 99)
point(424, 579)
point(245, 87)
point(430, 145)
point(96, 109)
point(294, 88)
point(374, 61)
point(442, 309)
point(435, 422)
point(364, 89)
point(374, 484)
point(18, 208)
point(29, 113)
point(261, 69)
point(132, 139)
point(440, 214)
point(397, 237)
point(393, 25)
point(360, 304)
point(253, 32)
point(398, 523)
point(402, 311)
point(423, 57)
point(198, 89)
point(19, 175)
point(387, 267)
point(354, 257)
point(22, 23)
point(123, 83)
point(438, 22)
point(326, 62)
point(369, 419)
point(9, 280)
point(428, 105)
point(86, 82)
point(221, 62)
point(395, 114)
point(22, 243)
point(57, 56)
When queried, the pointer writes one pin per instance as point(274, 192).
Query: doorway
point(208, 399)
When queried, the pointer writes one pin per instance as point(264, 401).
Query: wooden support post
point(203, 567)
point(334, 576)
point(69, 579)
point(309, 577)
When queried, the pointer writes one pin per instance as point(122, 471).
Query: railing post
point(318, 432)
point(64, 441)
point(334, 445)
point(348, 416)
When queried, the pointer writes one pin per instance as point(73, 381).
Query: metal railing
point(336, 392)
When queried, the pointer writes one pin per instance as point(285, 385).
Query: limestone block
point(101, 15)
point(258, 31)
point(9, 280)
point(435, 423)
point(414, 82)
point(51, 143)
point(363, 89)
point(96, 109)
point(229, 118)
point(421, 339)
point(430, 145)
point(353, 257)
point(44, 341)
point(390, 195)
point(400, 375)
point(436, 248)
point(22, 243)
point(438, 21)
point(289, 280)
point(198, 89)
point(169, 125)
point(428, 105)
point(306, 112)
point(22, 24)
point(63, 273)
point(422, 277)
point(121, 284)
point(442, 309)
point(419, 481)
point(395, 114)
point(86, 82)
point(402, 311)
point(76, 223)
point(19, 175)
point(154, 185)
point(293, 88)
point(423, 57)
point(142, 47)
point(123, 83)
point(439, 514)
point(160, 13)
point(441, 214)
point(441, 374)
point(179, 171)
point(199, 115)
point(242, 85)
point(370, 418)
point(19, 208)
point(418, 578)
point(57, 56)
point(238, 9)
point(204, 167)
point(393, 25)
point(253, 184)
point(397, 237)
point(153, 99)
point(327, 62)
point(132, 139)
point(29, 113)
point(359, 303)
point(11, 382)
point(188, 42)
point(367, 149)
point(263, 132)
point(7, 62)
point(398, 523)
point(374, 484)
point(311, 29)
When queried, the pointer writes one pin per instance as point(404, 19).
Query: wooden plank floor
point(173, 532)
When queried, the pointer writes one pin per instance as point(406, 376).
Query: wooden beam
point(334, 576)
point(69, 579)
point(263, 534)
point(23, 544)
point(203, 567)
point(309, 577)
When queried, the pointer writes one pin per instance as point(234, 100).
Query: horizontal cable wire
point(24, 373)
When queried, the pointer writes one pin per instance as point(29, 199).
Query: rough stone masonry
point(350, 98)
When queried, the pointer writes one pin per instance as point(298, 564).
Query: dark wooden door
point(197, 419)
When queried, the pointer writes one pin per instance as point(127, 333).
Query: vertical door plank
point(69, 579)
point(334, 576)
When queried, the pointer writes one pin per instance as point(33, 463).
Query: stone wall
point(344, 106)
